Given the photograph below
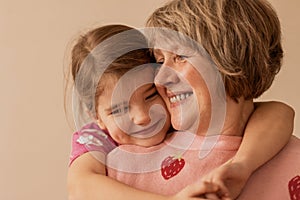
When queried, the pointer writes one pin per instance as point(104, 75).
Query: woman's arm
point(87, 181)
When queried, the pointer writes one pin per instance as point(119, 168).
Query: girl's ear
point(98, 119)
point(101, 124)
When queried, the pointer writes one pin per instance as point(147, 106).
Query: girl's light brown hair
point(243, 38)
point(82, 50)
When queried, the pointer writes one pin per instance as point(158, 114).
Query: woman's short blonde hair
point(243, 38)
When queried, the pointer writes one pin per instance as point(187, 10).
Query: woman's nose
point(140, 115)
point(166, 76)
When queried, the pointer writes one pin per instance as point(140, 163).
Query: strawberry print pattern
point(171, 166)
point(294, 188)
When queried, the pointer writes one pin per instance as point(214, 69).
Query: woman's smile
point(179, 97)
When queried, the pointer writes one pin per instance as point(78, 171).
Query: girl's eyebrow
point(124, 103)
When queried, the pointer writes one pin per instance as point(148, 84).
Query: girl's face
point(184, 92)
point(133, 116)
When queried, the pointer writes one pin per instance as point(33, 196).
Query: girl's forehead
point(132, 80)
point(141, 74)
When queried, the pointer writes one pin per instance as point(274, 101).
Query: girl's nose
point(140, 115)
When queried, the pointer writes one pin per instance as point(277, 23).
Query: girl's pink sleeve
point(90, 138)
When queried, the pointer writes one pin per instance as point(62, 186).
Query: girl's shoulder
point(91, 138)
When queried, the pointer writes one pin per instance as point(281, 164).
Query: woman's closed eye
point(159, 57)
point(160, 61)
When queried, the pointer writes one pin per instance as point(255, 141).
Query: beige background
point(34, 35)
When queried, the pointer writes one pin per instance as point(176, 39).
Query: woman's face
point(184, 91)
point(132, 111)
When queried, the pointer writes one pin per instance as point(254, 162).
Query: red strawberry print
point(294, 188)
point(171, 166)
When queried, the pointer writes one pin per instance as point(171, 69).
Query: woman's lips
point(179, 97)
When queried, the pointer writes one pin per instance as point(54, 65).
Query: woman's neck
point(237, 115)
point(233, 123)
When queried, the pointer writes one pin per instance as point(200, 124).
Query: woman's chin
point(180, 125)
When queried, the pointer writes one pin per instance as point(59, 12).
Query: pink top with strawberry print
point(167, 168)
point(171, 165)
point(175, 163)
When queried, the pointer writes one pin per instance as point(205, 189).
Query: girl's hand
point(200, 190)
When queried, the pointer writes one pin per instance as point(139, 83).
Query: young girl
point(87, 173)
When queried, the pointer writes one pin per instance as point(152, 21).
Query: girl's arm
point(267, 132)
point(87, 181)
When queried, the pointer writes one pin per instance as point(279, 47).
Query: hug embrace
point(168, 112)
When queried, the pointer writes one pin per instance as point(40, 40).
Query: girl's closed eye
point(116, 111)
point(152, 94)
